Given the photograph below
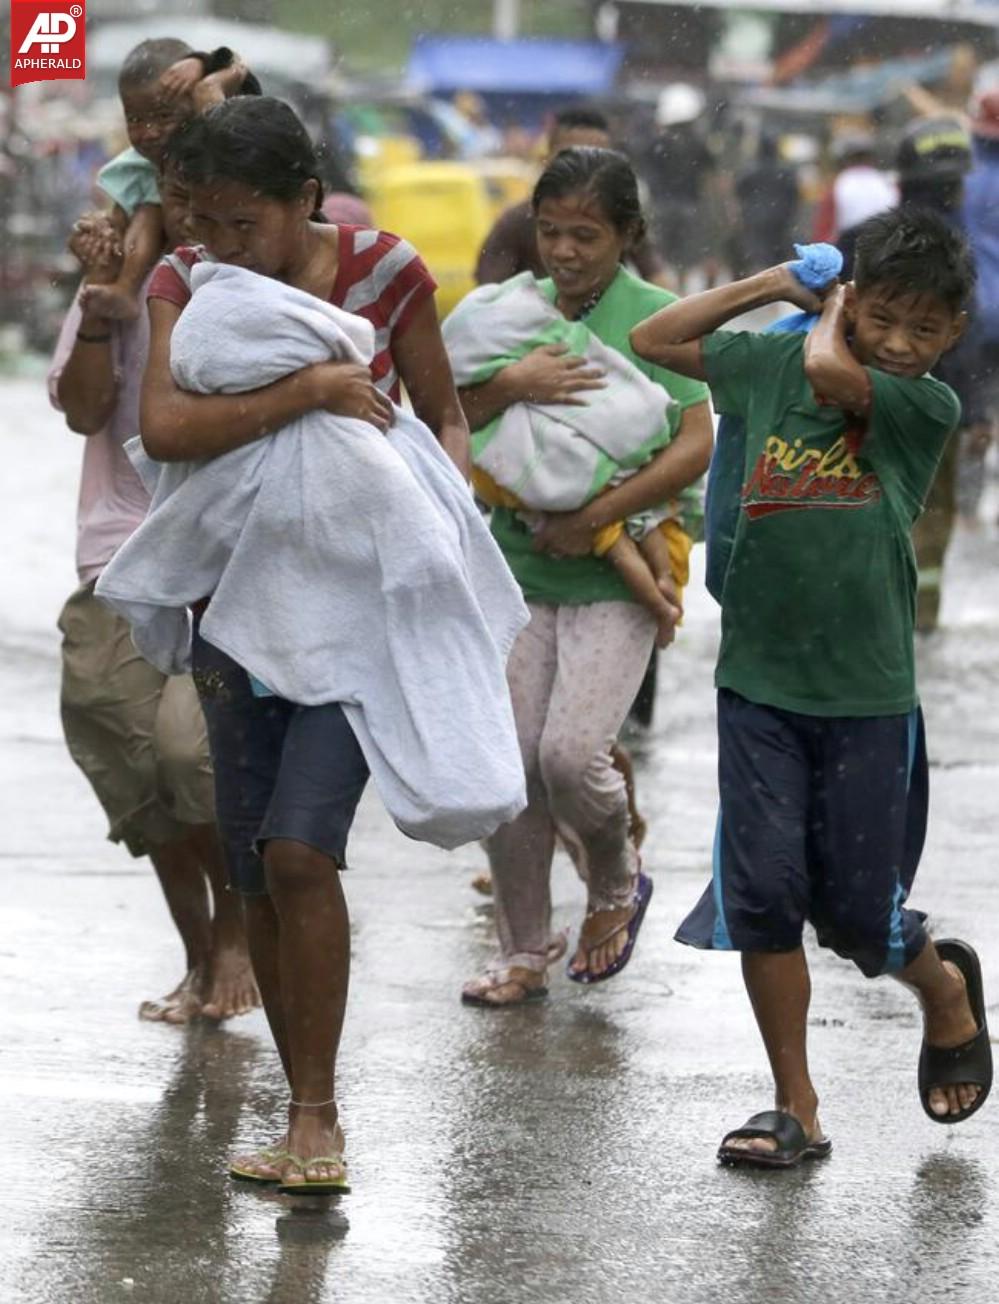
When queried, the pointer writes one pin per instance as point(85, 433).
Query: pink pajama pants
point(573, 674)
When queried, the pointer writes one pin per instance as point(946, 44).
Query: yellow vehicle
point(445, 209)
point(507, 181)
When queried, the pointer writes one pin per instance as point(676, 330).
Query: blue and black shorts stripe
point(821, 820)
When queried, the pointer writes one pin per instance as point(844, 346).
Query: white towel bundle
point(344, 565)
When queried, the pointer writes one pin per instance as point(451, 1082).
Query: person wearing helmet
point(677, 165)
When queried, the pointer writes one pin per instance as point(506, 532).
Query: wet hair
point(579, 116)
point(149, 60)
point(255, 140)
point(911, 250)
point(603, 175)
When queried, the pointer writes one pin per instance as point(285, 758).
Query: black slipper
point(793, 1144)
point(970, 1062)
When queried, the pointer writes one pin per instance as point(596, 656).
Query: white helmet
point(678, 103)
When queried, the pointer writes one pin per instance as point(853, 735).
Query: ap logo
point(47, 41)
point(48, 32)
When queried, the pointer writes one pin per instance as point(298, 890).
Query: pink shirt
point(112, 500)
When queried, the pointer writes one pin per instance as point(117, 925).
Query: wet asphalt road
point(558, 1153)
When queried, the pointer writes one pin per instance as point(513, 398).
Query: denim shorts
point(281, 770)
point(822, 820)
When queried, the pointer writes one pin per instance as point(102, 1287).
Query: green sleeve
point(728, 362)
point(736, 362)
point(910, 423)
point(129, 180)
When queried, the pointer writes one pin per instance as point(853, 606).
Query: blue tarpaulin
point(443, 65)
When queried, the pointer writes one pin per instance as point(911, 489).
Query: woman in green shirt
point(575, 669)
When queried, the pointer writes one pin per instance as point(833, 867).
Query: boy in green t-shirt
point(822, 760)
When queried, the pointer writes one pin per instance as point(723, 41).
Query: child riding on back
point(161, 83)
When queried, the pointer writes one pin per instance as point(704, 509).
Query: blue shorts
point(281, 770)
point(822, 820)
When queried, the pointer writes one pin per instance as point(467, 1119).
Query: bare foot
point(180, 1006)
point(674, 604)
point(111, 301)
point(230, 988)
point(665, 630)
point(951, 1023)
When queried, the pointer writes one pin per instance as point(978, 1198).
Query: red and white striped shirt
point(380, 277)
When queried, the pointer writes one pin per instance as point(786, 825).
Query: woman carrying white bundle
point(289, 776)
point(574, 671)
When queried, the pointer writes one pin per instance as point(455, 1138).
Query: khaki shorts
point(138, 736)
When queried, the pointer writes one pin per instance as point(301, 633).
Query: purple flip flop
point(642, 897)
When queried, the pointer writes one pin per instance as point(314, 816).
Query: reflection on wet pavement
point(562, 1152)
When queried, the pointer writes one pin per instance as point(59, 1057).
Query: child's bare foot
point(230, 988)
point(668, 612)
point(665, 631)
point(110, 301)
point(667, 586)
point(673, 612)
point(180, 1006)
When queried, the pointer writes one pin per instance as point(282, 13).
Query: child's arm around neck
point(835, 375)
point(671, 337)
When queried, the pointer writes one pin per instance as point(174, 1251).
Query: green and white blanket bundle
point(555, 457)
